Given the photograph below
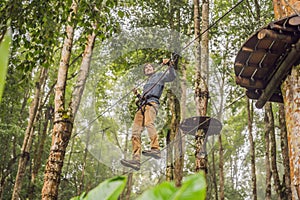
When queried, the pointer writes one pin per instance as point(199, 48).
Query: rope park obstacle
point(189, 126)
point(267, 65)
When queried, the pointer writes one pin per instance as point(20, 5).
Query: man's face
point(148, 70)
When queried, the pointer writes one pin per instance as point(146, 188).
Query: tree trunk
point(39, 152)
point(291, 95)
point(127, 190)
point(275, 174)
point(81, 181)
point(169, 159)
point(214, 172)
point(285, 154)
point(28, 136)
point(267, 158)
point(204, 44)
point(84, 71)
point(201, 90)
point(63, 120)
point(129, 186)
point(252, 148)
point(183, 85)
point(179, 158)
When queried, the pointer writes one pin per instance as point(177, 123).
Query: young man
point(147, 111)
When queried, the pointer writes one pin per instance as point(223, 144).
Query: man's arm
point(171, 74)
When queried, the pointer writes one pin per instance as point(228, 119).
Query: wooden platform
point(210, 126)
point(266, 58)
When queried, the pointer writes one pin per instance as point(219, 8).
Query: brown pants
point(142, 120)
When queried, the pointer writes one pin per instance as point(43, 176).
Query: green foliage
point(4, 54)
point(194, 187)
point(107, 190)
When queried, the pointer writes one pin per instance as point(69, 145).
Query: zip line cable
point(186, 46)
point(213, 24)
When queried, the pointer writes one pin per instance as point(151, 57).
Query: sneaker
point(155, 153)
point(134, 164)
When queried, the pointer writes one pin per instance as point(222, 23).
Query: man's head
point(148, 69)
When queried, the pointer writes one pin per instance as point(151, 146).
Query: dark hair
point(146, 65)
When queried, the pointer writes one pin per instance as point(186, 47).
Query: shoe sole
point(151, 155)
point(129, 165)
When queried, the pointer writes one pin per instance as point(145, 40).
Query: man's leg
point(150, 116)
point(137, 129)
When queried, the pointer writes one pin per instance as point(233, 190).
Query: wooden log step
point(248, 83)
point(265, 33)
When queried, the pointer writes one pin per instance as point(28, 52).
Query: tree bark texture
point(285, 154)
point(204, 42)
point(183, 83)
point(169, 159)
point(267, 159)
point(28, 138)
point(63, 119)
point(83, 71)
point(275, 175)
point(291, 95)
point(37, 160)
point(81, 181)
point(127, 190)
point(252, 148)
point(284, 8)
point(179, 158)
point(201, 90)
point(178, 144)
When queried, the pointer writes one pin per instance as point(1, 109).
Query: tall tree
point(63, 122)
point(268, 194)
point(23, 161)
point(64, 116)
point(201, 89)
point(275, 175)
point(252, 148)
point(39, 151)
point(291, 93)
point(285, 154)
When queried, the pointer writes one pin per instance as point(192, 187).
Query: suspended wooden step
point(210, 126)
point(266, 58)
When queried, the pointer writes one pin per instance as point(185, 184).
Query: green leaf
point(121, 13)
point(107, 190)
point(4, 54)
point(161, 192)
point(194, 187)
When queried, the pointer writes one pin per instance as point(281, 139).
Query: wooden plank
point(251, 50)
point(281, 28)
point(295, 21)
point(248, 83)
point(279, 75)
point(276, 97)
point(265, 33)
point(253, 71)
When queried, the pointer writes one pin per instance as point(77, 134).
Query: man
point(147, 111)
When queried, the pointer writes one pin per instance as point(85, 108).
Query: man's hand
point(135, 91)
